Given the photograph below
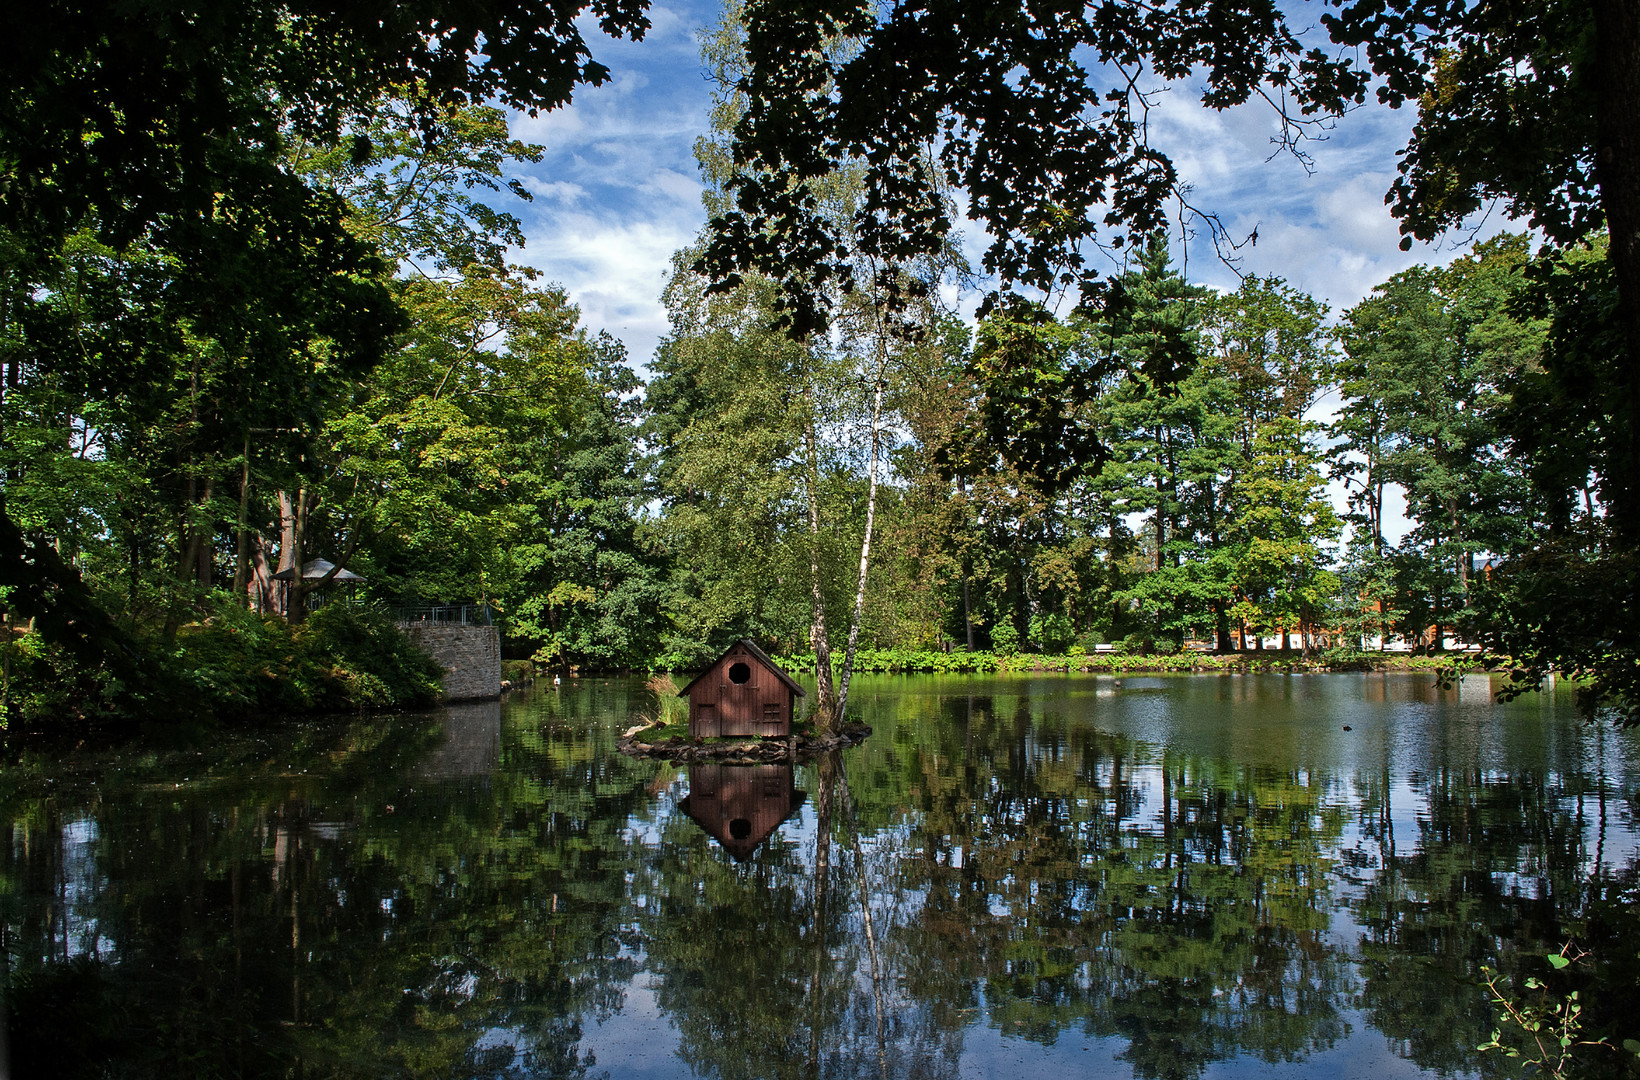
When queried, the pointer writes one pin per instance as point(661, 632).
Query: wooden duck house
point(743, 694)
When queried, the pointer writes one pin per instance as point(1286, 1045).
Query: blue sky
point(617, 192)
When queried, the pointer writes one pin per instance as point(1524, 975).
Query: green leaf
point(1557, 961)
point(1632, 1046)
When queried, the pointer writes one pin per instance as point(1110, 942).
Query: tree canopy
point(1039, 112)
point(253, 241)
point(166, 132)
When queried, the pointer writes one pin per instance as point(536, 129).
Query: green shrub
point(232, 663)
point(1004, 638)
point(359, 642)
point(1052, 632)
point(1346, 658)
point(517, 672)
point(909, 661)
point(45, 682)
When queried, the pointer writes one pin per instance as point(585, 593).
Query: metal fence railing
point(460, 614)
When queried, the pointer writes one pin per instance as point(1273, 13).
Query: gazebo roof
point(314, 569)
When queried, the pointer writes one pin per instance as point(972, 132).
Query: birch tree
point(834, 392)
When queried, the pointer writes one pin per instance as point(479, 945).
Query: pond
point(1192, 876)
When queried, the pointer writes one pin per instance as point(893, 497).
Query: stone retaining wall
point(471, 656)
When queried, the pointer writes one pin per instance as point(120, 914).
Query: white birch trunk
point(865, 547)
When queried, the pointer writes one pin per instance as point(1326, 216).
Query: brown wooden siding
point(721, 707)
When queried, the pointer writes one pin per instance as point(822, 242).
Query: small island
point(804, 743)
point(741, 708)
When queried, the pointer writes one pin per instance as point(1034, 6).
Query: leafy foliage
point(1049, 160)
point(232, 666)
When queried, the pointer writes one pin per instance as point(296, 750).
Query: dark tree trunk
point(967, 573)
point(261, 577)
point(293, 513)
point(1617, 169)
point(205, 544)
point(825, 713)
point(967, 604)
point(1440, 615)
point(289, 556)
point(1221, 616)
point(242, 532)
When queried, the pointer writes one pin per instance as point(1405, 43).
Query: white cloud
point(614, 270)
point(617, 191)
point(555, 191)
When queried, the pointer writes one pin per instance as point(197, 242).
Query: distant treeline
point(924, 662)
point(1148, 472)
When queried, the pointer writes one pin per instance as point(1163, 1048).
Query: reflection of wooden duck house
point(743, 694)
point(740, 805)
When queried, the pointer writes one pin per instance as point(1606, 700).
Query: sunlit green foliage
point(233, 665)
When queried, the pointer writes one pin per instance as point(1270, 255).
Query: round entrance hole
point(739, 673)
point(740, 828)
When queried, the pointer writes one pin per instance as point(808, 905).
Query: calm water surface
point(1150, 877)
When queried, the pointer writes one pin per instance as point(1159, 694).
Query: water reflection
point(740, 805)
point(1166, 878)
point(471, 746)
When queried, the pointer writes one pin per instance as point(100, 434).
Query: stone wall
point(471, 656)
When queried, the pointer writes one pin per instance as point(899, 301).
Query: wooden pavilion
point(316, 570)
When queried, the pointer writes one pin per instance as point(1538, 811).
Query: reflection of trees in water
point(1053, 880)
point(460, 930)
point(729, 945)
point(765, 966)
point(316, 899)
point(1499, 866)
point(1189, 921)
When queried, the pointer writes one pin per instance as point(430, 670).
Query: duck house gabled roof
point(758, 654)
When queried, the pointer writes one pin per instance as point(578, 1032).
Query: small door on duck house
point(774, 717)
point(740, 696)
